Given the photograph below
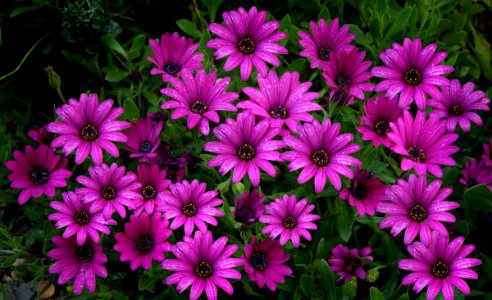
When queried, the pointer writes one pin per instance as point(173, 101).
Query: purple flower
point(281, 101)
point(199, 98)
point(487, 156)
point(289, 219)
point(37, 172)
point(174, 54)
point(249, 208)
point(203, 264)
point(347, 262)
point(325, 39)
point(423, 143)
point(440, 266)
point(417, 208)
point(264, 263)
point(412, 72)
point(154, 184)
point(143, 139)
point(82, 262)
point(248, 40)
point(40, 135)
point(144, 240)
point(246, 147)
point(475, 173)
point(322, 153)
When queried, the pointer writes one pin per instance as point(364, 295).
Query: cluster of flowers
point(276, 116)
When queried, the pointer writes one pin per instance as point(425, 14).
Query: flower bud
point(53, 78)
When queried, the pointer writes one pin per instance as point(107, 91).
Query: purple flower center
point(440, 269)
point(145, 146)
point(358, 189)
point(324, 53)
point(413, 77)
point(135, 76)
point(320, 158)
point(189, 209)
point(39, 176)
point(381, 127)
point(198, 107)
point(418, 213)
point(203, 270)
point(85, 253)
point(352, 264)
point(342, 80)
point(145, 244)
point(82, 218)
point(172, 69)
point(108, 193)
point(89, 133)
point(278, 112)
point(246, 45)
point(246, 152)
point(149, 192)
point(416, 154)
point(290, 223)
point(244, 214)
point(455, 110)
point(259, 260)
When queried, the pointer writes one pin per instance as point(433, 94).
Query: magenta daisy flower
point(281, 101)
point(154, 184)
point(417, 208)
point(412, 72)
point(79, 220)
point(143, 139)
point(457, 105)
point(290, 219)
point(246, 147)
point(37, 172)
point(365, 192)
point(199, 98)
point(379, 114)
point(440, 266)
point(475, 173)
point(264, 263)
point(109, 189)
point(322, 153)
point(249, 208)
point(347, 70)
point(88, 127)
point(40, 135)
point(144, 240)
point(203, 264)
point(487, 156)
point(248, 40)
point(173, 54)
point(82, 262)
point(423, 143)
point(325, 39)
point(190, 204)
point(347, 262)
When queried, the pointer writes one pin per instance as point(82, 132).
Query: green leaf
point(21, 10)
point(307, 285)
point(482, 51)
point(376, 294)
point(138, 42)
point(392, 252)
point(189, 28)
point(327, 279)
point(147, 283)
point(115, 76)
point(212, 7)
point(344, 221)
point(324, 14)
point(80, 60)
point(478, 197)
point(131, 110)
point(113, 44)
point(296, 65)
point(399, 22)
point(487, 266)
point(238, 188)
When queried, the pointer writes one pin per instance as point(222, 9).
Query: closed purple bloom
point(347, 262)
point(41, 135)
point(249, 208)
point(475, 173)
point(143, 139)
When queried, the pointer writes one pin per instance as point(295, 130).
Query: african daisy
point(143, 139)
point(347, 262)
point(154, 183)
point(249, 208)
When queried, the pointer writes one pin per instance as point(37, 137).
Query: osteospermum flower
point(203, 264)
point(376, 121)
point(475, 173)
point(283, 100)
point(248, 40)
point(109, 189)
point(246, 147)
point(173, 54)
point(82, 262)
point(457, 105)
point(199, 98)
point(412, 72)
point(143, 139)
point(79, 220)
point(290, 219)
point(190, 204)
point(487, 156)
point(144, 240)
point(347, 262)
point(347, 70)
point(37, 172)
point(417, 208)
point(440, 266)
point(322, 153)
point(264, 263)
point(154, 183)
point(324, 40)
point(88, 127)
point(423, 143)
point(249, 208)
point(40, 134)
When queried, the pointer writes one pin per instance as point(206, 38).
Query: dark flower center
point(246, 45)
point(108, 193)
point(416, 154)
point(343, 80)
point(358, 190)
point(244, 214)
point(418, 213)
point(85, 253)
point(82, 218)
point(352, 263)
point(324, 53)
point(381, 127)
point(189, 209)
point(290, 223)
point(172, 69)
point(278, 112)
point(203, 270)
point(246, 152)
point(413, 77)
point(39, 176)
point(145, 244)
point(455, 110)
point(259, 260)
point(320, 158)
point(198, 107)
point(145, 146)
point(440, 269)
point(89, 133)
point(149, 192)
point(471, 182)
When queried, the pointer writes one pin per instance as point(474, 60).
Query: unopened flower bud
point(350, 288)
point(372, 275)
point(53, 78)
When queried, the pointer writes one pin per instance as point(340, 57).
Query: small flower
point(40, 134)
point(322, 153)
point(190, 205)
point(289, 219)
point(203, 264)
point(487, 156)
point(264, 263)
point(283, 100)
point(475, 173)
point(154, 184)
point(79, 220)
point(82, 262)
point(37, 172)
point(248, 40)
point(143, 139)
point(348, 263)
point(440, 266)
point(199, 98)
point(173, 54)
point(144, 240)
point(325, 39)
point(158, 118)
point(249, 208)
point(88, 127)
point(417, 208)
